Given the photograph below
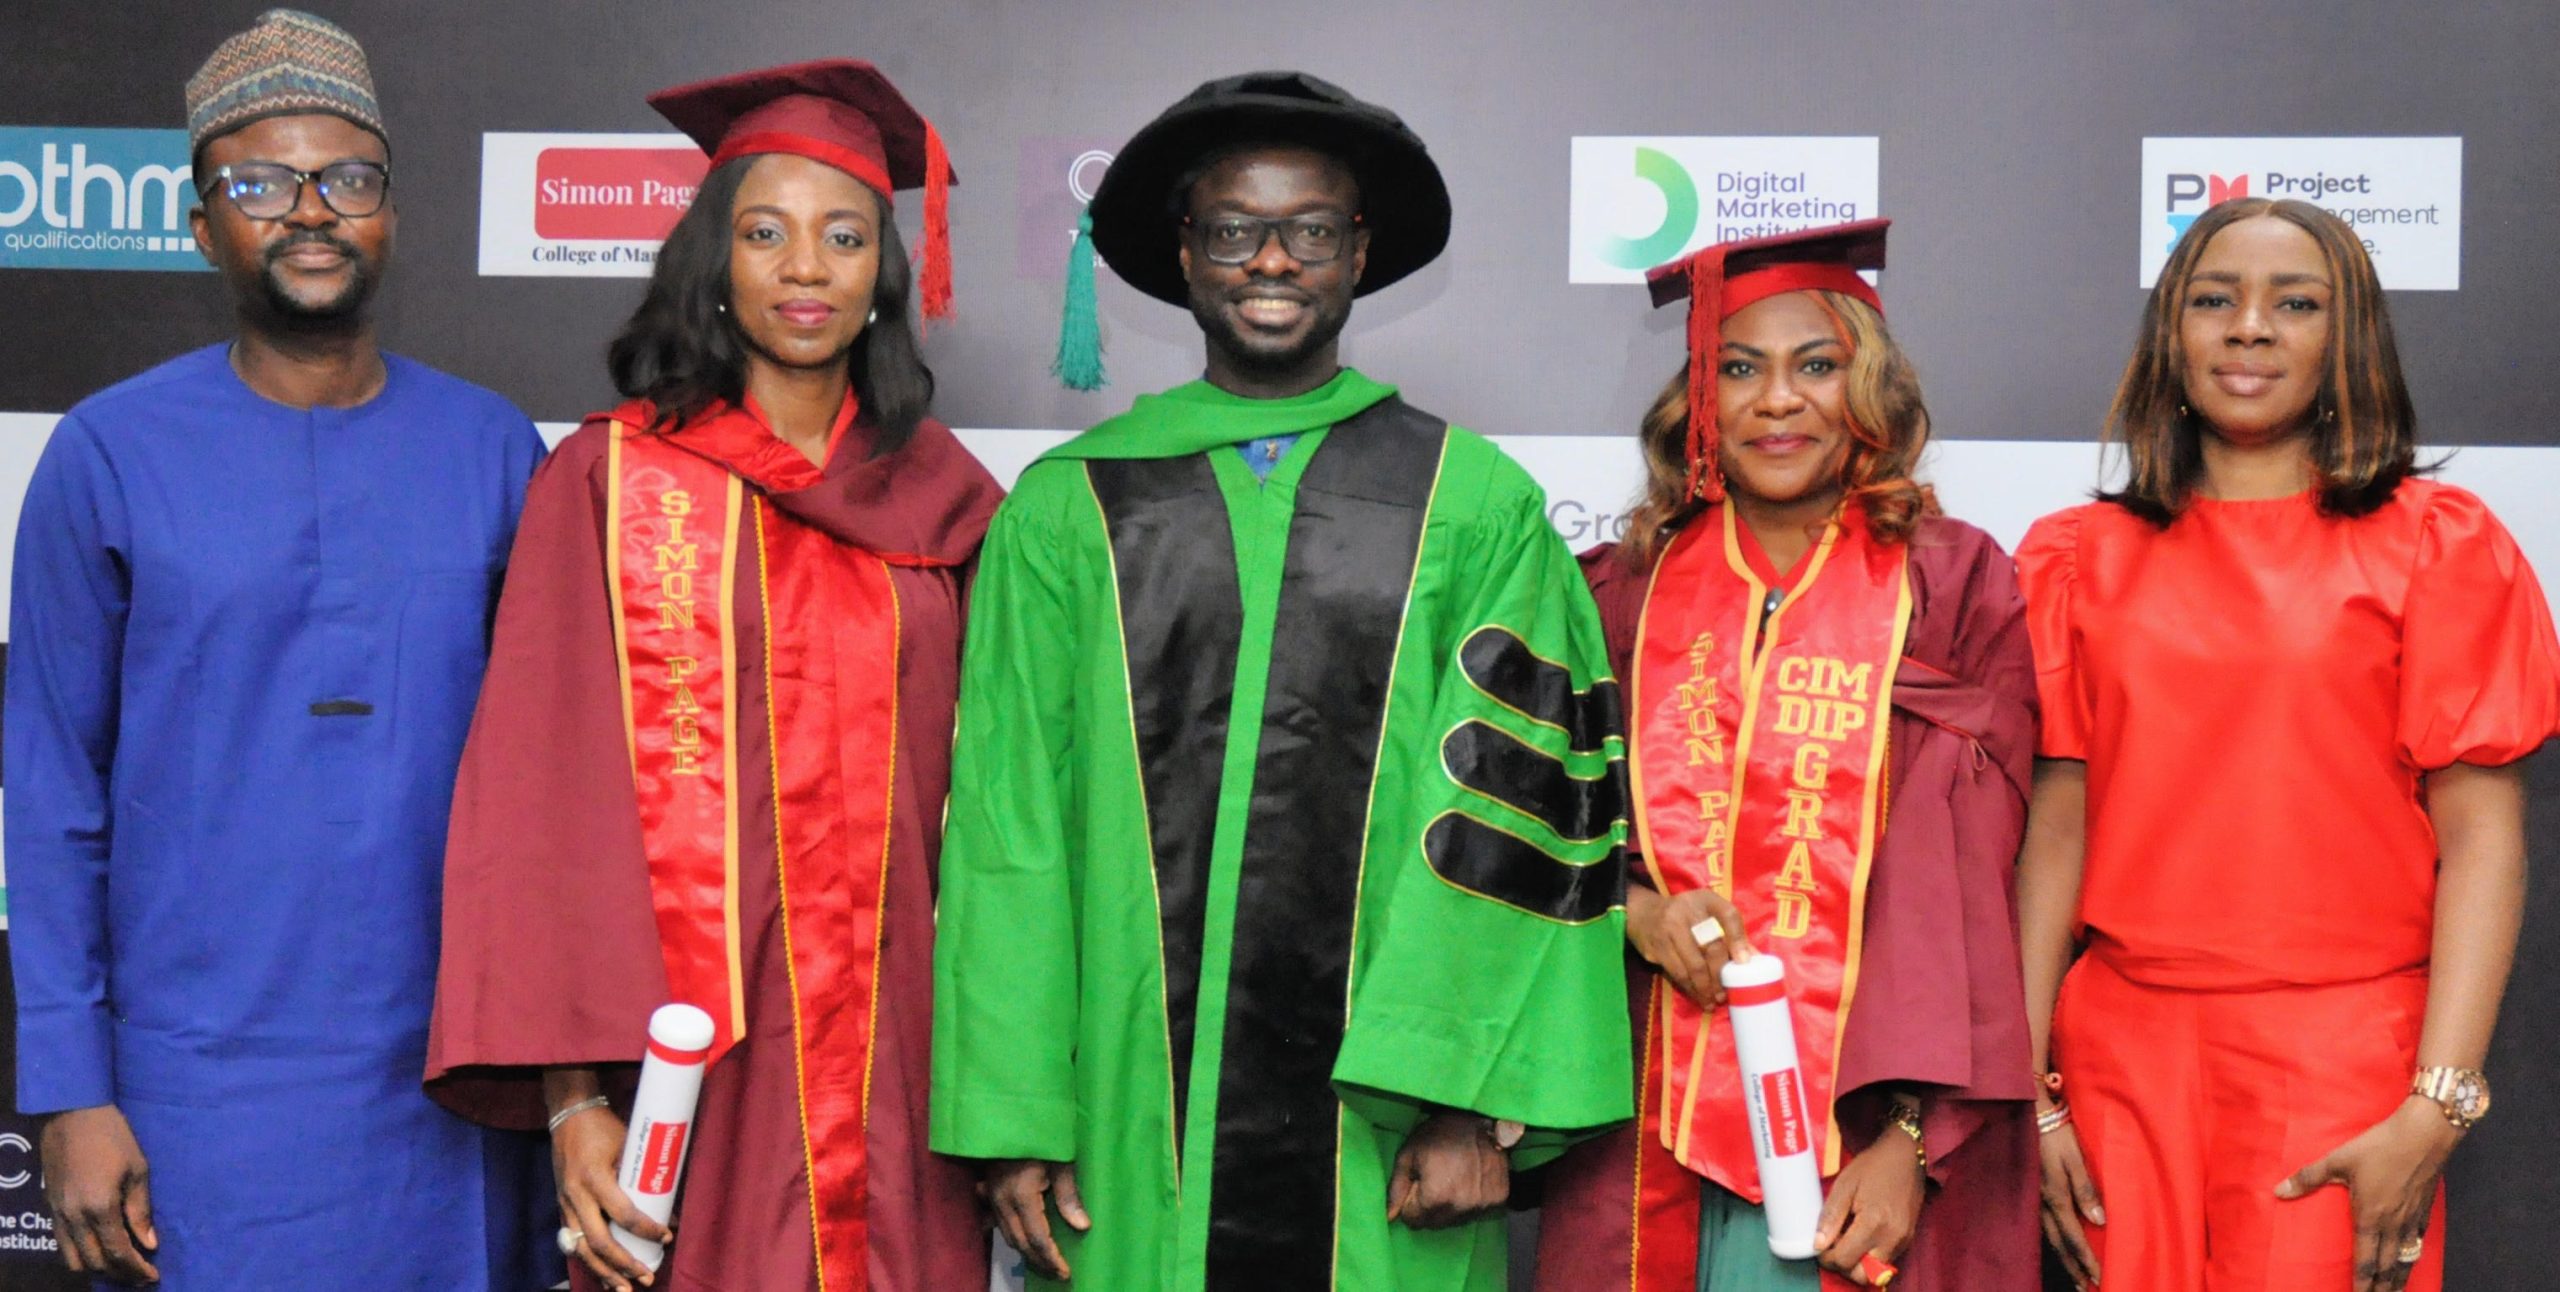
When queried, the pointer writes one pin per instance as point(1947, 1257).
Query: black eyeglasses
point(270, 190)
point(1309, 239)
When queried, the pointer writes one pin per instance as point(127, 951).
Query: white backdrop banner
point(2001, 485)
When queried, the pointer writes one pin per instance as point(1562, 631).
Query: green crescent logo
point(1679, 215)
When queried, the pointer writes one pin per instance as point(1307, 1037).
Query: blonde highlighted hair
point(1888, 429)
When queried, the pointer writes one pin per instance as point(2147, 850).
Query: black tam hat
point(1136, 216)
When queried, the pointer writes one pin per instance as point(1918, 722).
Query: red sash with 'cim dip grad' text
point(1758, 763)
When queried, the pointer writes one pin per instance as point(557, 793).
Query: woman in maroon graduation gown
point(710, 757)
point(1831, 715)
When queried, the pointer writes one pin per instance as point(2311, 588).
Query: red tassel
point(934, 283)
point(1706, 325)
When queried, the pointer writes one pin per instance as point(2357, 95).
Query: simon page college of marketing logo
point(582, 205)
point(2403, 196)
point(78, 198)
point(1640, 201)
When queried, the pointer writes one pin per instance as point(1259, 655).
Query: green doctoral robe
point(1284, 814)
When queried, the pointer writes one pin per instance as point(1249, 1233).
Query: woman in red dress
point(1831, 713)
point(2286, 683)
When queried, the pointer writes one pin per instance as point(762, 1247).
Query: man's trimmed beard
point(347, 304)
point(1209, 312)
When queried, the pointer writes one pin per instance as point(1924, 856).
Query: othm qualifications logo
point(2402, 196)
point(77, 198)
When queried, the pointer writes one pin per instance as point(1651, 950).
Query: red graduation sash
point(1758, 765)
point(830, 671)
point(672, 574)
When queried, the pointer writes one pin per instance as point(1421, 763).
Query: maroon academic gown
point(551, 950)
point(1941, 1003)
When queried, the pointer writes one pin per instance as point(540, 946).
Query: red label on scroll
point(1782, 1099)
point(658, 1160)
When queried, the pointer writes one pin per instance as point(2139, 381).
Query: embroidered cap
point(1729, 277)
point(286, 63)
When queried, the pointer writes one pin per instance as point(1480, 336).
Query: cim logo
point(2403, 197)
point(1054, 177)
point(74, 198)
point(1638, 202)
point(614, 194)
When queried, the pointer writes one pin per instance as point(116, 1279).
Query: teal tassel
point(1079, 362)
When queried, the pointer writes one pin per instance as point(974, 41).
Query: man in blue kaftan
point(248, 617)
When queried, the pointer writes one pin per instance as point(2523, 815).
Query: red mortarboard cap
point(839, 111)
point(1723, 280)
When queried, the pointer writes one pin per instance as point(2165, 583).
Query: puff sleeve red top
point(2257, 690)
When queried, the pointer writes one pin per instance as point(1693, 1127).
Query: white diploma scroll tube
point(1782, 1124)
point(661, 1130)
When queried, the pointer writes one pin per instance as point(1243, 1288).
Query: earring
point(2327, 414)
point(723, 307)
point(2182, 411)
point(872, 317)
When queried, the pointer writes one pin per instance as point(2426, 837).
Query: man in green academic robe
point(1281, 899)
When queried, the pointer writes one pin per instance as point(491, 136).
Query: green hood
point(1197, 417)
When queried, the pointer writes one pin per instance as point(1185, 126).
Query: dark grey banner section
point(2009, 149)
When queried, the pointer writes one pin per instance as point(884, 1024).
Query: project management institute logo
point(582, 205)
point(75, 198)
point(2403, 196)
point(1641, 201)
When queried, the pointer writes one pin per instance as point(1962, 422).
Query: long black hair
point(681, 351)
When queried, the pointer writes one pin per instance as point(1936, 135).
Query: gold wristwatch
point(1905, 1117)
point(2463, 1093)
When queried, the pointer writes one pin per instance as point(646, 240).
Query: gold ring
point(2412, 1249)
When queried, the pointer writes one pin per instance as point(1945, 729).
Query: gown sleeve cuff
point(1399, 1060)
point(995, 1124)
point(66, 1060)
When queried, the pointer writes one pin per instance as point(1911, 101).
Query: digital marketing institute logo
point(1641, 201)
point(74, 198)
point(582, 205)
point(2403, 196)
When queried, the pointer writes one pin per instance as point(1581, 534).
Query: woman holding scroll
point(710, 757)
point(2286, 685)
point(1831, 708)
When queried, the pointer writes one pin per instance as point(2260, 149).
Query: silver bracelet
point(591, 1101)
